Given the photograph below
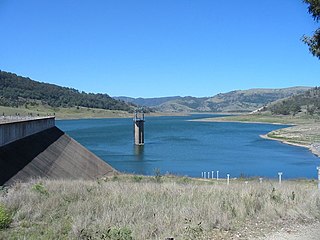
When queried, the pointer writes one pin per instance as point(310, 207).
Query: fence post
point(201, 174)
point(318, 168)
point(205, 174)
point(212, 174)
point(217, 175)
point(260, 179)
point(208, 174)
point(280, 174)
point(228, 178)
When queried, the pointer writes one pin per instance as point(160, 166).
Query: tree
point(314, 41)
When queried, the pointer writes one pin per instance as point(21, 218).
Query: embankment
point(49, 154)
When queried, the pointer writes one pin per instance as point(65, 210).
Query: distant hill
point(307, 102)
point(234, 101)
point(148, 102)
point(18, 91)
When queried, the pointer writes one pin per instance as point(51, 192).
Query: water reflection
point(139, 152)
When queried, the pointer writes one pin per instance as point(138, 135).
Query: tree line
point(308, 101)
point(17, 91)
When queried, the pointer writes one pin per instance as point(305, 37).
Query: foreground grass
point(137, 207)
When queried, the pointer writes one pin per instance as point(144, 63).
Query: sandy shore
point(314, 147)
point(218, 119)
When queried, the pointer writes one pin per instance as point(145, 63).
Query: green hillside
point(305, 103)
point(17, 91)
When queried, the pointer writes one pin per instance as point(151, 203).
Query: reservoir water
point(178, 146)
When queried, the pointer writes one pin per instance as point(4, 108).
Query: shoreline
point(235, 121)
point(313, 147)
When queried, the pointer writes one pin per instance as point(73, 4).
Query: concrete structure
point(15, 128)
point(138, 123)
point(47, 154)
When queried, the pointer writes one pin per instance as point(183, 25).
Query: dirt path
point(309, 232)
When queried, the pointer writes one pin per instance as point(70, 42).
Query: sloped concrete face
point(49, 154)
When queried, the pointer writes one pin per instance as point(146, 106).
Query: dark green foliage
point(310, 101)
point(18, 91)
point(314, 41)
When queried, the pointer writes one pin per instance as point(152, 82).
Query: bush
point(113, 233)
point(137, 178)
point(119, 234)
point(39, 188)
point(5, 217)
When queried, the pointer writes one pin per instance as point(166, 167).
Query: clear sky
point(152, 48)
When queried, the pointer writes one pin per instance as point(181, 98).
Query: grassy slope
point(156, 208)
point(64, 113)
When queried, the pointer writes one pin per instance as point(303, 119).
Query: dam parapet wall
point(13, 128)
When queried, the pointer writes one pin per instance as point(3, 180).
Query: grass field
point(63, 113)
point(140, 207)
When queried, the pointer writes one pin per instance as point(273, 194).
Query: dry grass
point(148, 208)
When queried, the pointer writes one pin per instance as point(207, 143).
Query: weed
point(5, 217)
point(119, 234)
point(39, 188)
point(184, 180)
point(113, 233)
point(275, 196)
point(157, 175)
point(193, 231)
point(137, 178)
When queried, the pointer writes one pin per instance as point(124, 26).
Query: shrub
point(5, 217)
point(113, 233)
point(137, 178)
point(39, 188)
point(119, 234)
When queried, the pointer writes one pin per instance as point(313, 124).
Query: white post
point(201, 174)
point(217, 175)
point(246, 182)
point(205, 174)
point(212, 174)
point(228, 177)
point(280, 174)
point(260, 179)
point(318, 168)
point(208, 174)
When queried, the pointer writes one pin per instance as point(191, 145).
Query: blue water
point(176, 145)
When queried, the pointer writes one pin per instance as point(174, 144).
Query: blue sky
point(152, 48)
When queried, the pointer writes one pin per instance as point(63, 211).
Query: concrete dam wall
point(48, 154)
point(17, 128)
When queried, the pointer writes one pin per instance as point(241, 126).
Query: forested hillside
point(307, 102)
point(17, 91)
